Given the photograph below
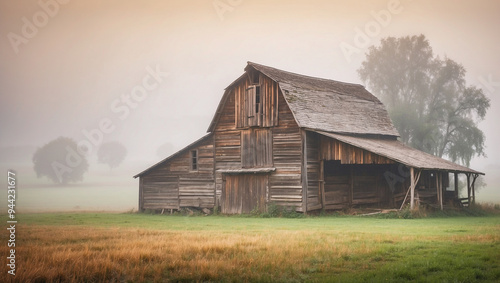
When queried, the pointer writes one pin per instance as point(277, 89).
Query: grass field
point(98, 247)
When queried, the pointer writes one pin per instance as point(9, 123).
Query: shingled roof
point(399, 152)
point(328, 105)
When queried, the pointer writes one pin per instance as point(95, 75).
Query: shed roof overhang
point(401, 153)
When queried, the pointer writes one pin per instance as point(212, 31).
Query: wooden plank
point(412, 188)
point(304, 170)
point(475, 176)
point(468, 188)
point(141, 194)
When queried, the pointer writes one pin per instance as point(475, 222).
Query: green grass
point(221, 248)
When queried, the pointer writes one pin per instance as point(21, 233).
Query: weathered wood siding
point(278, 140)
point(331, 149)
point(227, 119)
point(243, 193)
point(267, 115)
point(159, 189)
point(313, 172)
point(227, 154)
point(354, 176)
point(173, 184)
point(257, 149)
point(285, 184)
point(351, 185)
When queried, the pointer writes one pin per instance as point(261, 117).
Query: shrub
point(276, 211)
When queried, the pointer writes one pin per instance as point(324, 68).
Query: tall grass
point(138, 248)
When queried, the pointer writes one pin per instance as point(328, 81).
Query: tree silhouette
point(60, 161)
point(111, 153)
point(427, 97)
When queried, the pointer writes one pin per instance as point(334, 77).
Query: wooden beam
point(474, 188)
point(468, 187)
point(412, 188)
point(439, 177)
point(456, 185)
point(304, 171)
point(437, 187)
point(414, 182)
point(322, 182)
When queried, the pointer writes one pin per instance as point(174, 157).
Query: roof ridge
point(306, 76)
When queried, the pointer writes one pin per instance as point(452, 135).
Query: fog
point(66, 67)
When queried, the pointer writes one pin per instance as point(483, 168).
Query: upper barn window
point(194, 160)
point(253, 105)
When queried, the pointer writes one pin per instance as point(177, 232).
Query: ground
point(88, 247)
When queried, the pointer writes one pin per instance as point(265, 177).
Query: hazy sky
point(67, 74)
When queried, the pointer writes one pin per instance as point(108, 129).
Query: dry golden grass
point(95, 253)
point(53, 253)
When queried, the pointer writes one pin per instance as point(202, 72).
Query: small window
point(253, 106)
point(257, 99)
point(194, 160)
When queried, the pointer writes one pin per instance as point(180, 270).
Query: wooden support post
point(437, 187)
point(474, 188)
point(440, 184)
point(304, 171)
point(351, 185)
point(456, 185)
point(322, 182)
point(412, 188)
point(468, 188)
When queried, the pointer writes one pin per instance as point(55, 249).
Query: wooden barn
point(303, 142)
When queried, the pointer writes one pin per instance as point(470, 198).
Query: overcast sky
point(66, 67)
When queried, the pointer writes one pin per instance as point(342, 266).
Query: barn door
point(242, 193)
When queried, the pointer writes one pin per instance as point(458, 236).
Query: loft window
point(252, 106)
point(253, 101)
point(257, 99)
point(194, 160)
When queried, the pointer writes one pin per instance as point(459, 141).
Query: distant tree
point(60, 161)
point(164, 150)
point(427, 97)
point(111, 153)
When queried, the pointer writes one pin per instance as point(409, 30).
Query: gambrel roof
point(327, 105)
